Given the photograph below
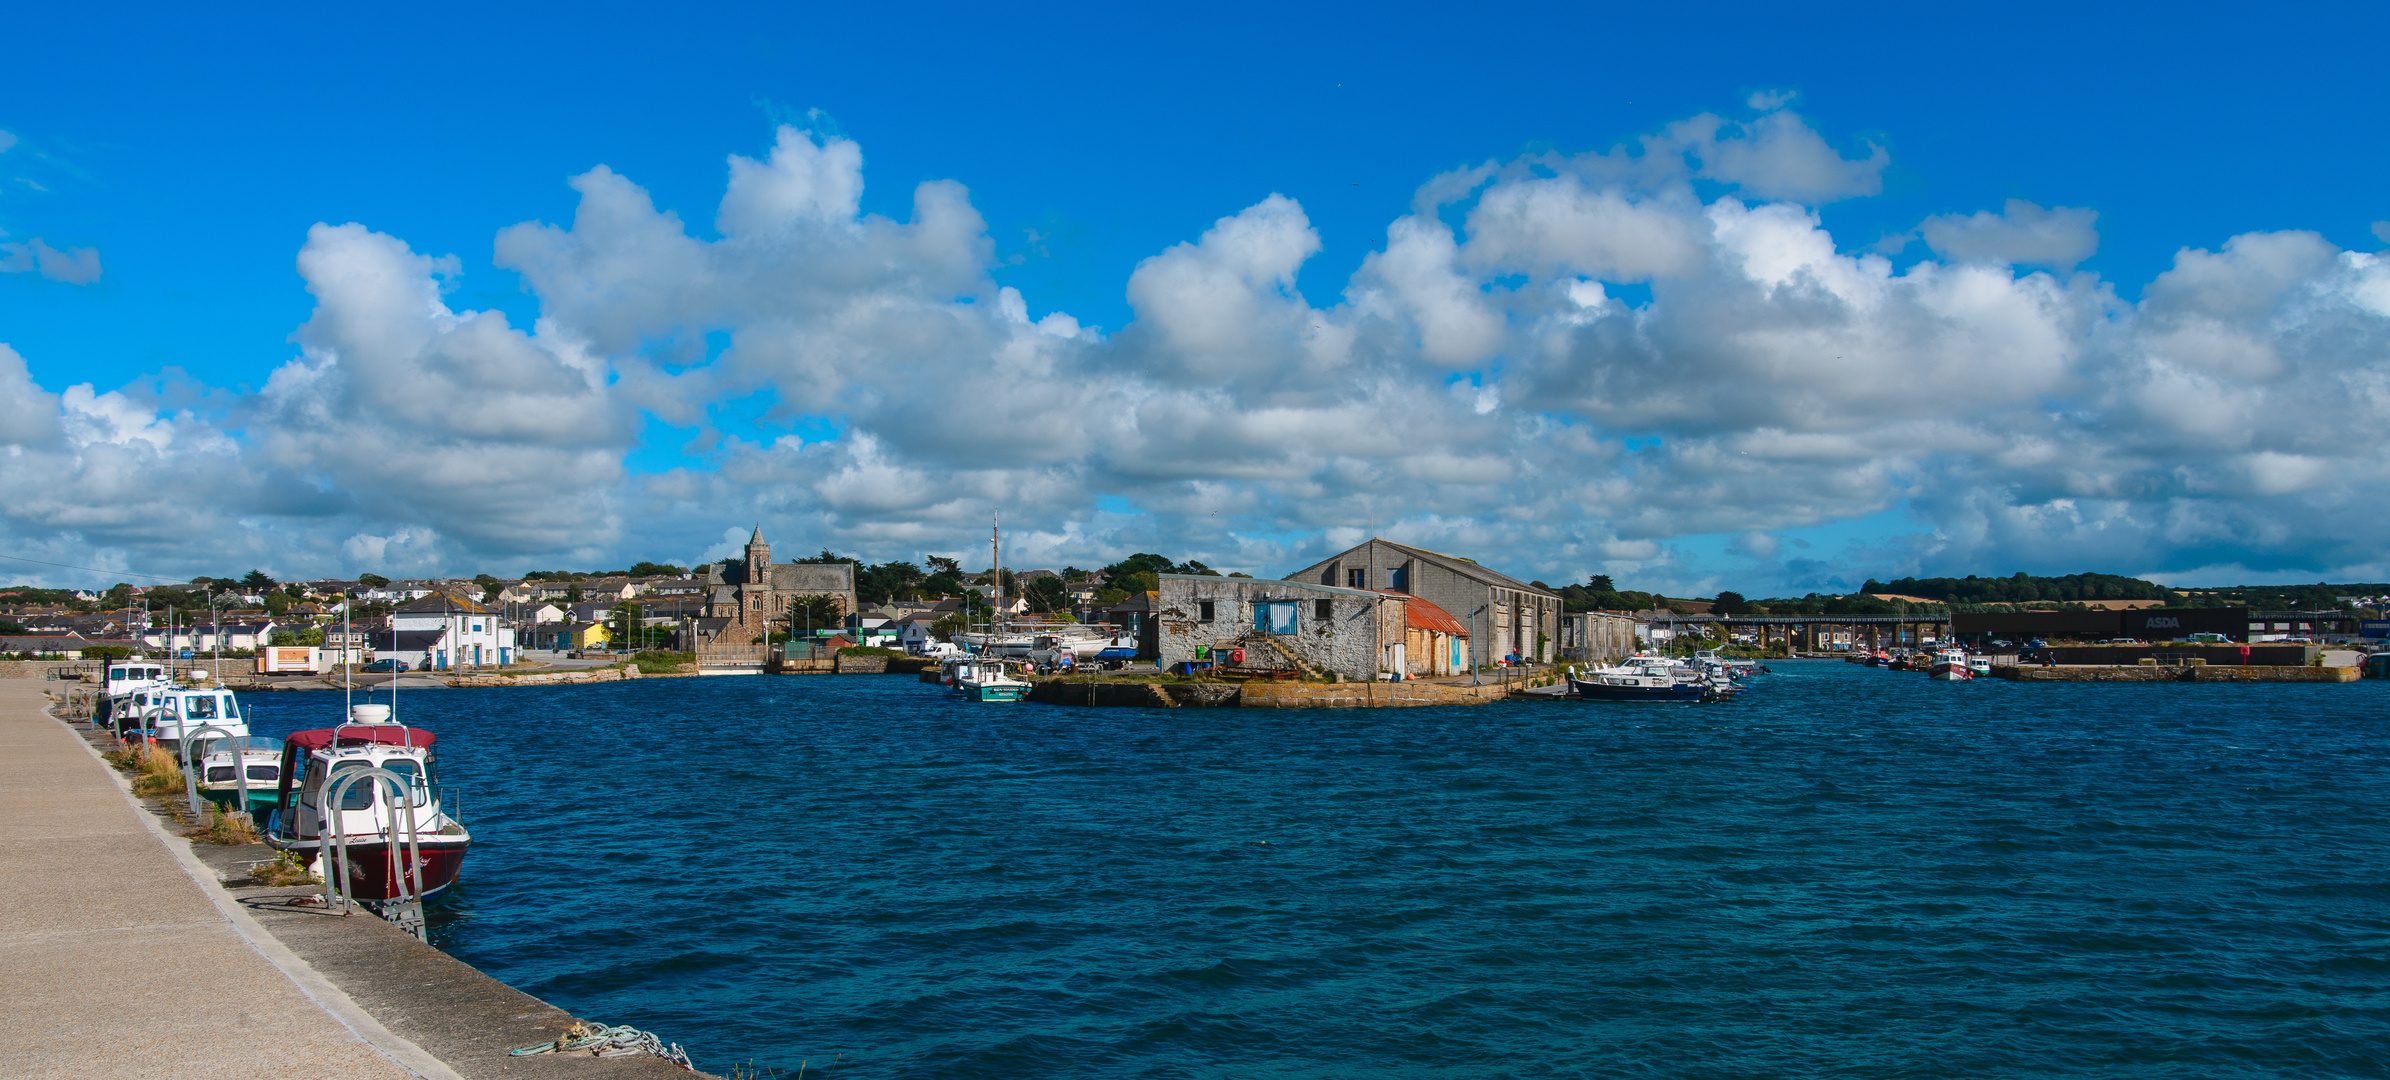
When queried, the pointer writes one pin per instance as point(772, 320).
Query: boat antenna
point(348, 666)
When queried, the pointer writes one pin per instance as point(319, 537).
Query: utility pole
point(1475, 677)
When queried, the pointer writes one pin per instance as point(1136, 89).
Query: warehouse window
point(1203, 611)
point(1323, 610)
point(1275, 617)
point(1357, 578)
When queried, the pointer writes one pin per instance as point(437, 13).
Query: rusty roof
point(1423, 615)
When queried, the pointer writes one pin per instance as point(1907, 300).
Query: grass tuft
point(224, 828)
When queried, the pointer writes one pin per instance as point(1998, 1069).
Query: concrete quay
point(2188, 673)
point(123, 953)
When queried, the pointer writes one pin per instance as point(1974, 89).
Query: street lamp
point(1475, 678)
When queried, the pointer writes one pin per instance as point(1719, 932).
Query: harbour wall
point(1259, 695)
point(2192, 673)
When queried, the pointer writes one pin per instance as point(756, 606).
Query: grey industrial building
point(1505, 616)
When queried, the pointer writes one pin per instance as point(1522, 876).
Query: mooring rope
point(600, 1040)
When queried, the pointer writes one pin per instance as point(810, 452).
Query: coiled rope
point(600, 1040)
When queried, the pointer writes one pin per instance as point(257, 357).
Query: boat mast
point(996, 576)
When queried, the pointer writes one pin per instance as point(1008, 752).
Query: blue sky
point(192, 154)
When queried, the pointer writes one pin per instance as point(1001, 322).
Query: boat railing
point(409, 904)
point(196, 741)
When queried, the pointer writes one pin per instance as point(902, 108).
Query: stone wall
point(2202, 673)
point(1364, 695)
point(1136, 695)
point(1349, 641)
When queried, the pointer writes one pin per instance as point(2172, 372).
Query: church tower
point(759, 559)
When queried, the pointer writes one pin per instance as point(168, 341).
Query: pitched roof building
point(749, 599)
point(1509, 617)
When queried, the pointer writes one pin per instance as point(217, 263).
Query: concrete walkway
point(114, 962)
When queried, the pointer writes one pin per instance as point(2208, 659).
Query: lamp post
point(1475, 677)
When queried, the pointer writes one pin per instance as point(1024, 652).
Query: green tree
point(257, 581)
point(372, 581)
point(810, 613)
point(655, 569)
point(626, 623)
point(1046, 594)
point(490, 587)
point(572, 593)
point(1730, 603)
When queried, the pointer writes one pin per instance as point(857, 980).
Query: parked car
point(393, 666)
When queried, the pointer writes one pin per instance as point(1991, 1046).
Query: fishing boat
point(233, 767)
point(1979, 666)
point(394, 848)
point(1950, 665)
point(126, 681)
point(1643, 678)
point(184, 709)
point(983, 679)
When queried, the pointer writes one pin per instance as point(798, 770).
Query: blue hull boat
point(1595, 691)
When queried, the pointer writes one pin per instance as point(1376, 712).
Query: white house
point(470, 635)
point(196, 640)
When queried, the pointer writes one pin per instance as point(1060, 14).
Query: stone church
point(751, 598)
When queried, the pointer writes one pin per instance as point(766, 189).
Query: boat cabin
point(169, 713)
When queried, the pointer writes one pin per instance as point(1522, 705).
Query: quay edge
point(2193, 673)
point(437, 1017)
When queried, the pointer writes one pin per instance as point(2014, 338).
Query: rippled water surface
point(1849, 872)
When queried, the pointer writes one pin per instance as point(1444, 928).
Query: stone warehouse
point(1600, 637)
point(1282, 626)
point(1506, 616)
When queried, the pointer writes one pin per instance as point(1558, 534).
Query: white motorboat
point(1646, 678)
point(1950, 665)
point(185, 709)
point(231, 767)
point(982, 679)
point(121, 692)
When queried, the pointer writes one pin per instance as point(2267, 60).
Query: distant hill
point(2023, 588)
point(2321, 596)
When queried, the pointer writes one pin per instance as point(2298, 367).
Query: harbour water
point(1848, 872)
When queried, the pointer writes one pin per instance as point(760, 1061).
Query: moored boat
point(251, 764)
point(1644, 678)
point(394, 847)
point(989, 680)
point(1950, 665)
point(121, 692)
point(187, 709)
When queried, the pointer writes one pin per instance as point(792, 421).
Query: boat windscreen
point(359, 796)
point(414, 777)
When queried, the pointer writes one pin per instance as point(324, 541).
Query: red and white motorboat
point(1950, 665)
point(396, 848)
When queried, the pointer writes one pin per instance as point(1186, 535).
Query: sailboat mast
point(996, 556)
